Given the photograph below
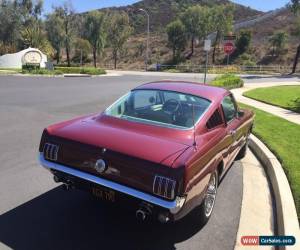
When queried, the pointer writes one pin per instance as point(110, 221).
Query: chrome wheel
point(210, 196)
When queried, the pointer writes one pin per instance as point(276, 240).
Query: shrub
point(30, 67)
point(40, 72)
point(78, 70)
point(228, 81)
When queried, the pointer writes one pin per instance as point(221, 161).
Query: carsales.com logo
point(268, 240)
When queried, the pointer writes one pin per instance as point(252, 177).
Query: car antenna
point(194, 126)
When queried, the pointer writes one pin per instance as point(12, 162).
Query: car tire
point(243, 151)
point(208, 203)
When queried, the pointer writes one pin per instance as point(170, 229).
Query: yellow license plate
point(107, 195)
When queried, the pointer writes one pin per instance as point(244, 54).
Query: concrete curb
point(286, 214)
point(76, 75)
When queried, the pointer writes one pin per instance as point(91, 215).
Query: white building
point(16, 60)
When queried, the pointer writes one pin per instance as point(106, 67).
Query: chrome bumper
point(173, 206)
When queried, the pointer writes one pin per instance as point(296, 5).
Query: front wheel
point(208, 203)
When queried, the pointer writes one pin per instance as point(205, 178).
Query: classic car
point(161, 149)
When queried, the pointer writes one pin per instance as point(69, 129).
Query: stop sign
point(229, 48)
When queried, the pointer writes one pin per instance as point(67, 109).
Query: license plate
point(104, 194)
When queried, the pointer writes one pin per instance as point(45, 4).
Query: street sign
point(207, 45)
point(229, 38)
point(229, 48)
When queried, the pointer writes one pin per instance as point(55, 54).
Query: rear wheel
point(208, 203)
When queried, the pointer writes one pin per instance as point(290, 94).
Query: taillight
point(164, 187)
point(51, 151)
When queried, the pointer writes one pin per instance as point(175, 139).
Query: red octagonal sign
point(229, 48)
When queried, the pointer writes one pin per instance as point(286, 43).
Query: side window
point(215, 120)
point(229, 108)
point(173, 95)
point(145, 98)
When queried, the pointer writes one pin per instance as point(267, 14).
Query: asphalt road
point(37, 214)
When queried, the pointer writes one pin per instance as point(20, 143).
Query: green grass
point(283, 139)
point(228, 81)
point(78, 70)
point(9, 71)
point(287, 97)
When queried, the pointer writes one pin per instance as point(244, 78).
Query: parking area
point(35, 213)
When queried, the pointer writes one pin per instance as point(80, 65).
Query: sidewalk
point(283, 113)
point(257, 217)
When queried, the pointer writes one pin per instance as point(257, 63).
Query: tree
point(34, 36)
point(55, 30)
point(66, 13)
point(119, 31)
point(197, 23)
point(222, 21)
point(82, 50)
point(95, 32)
point(176, 38)
point(278, 42)
point(29, 10)
point(10, 22)
point(243, 42)
point(295, 7)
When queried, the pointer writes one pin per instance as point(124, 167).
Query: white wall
point(15, 60)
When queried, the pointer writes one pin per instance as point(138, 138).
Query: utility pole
point(148, 37)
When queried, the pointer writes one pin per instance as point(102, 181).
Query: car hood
point(121, 136)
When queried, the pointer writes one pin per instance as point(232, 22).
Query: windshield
point(158, 107)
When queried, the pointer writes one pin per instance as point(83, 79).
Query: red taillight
point(164, 187)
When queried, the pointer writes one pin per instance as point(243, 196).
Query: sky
point(84, 5)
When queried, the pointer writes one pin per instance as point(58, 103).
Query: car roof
point(192, 88)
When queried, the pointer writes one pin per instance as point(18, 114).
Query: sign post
point(207, 47)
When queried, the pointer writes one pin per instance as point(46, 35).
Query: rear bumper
point(173, 206)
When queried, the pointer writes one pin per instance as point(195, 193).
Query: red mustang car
point(161, 149)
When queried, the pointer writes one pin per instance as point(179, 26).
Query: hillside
point(284, 21)
point(163, 12)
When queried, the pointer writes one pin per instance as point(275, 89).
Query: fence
point(223, 69)
point(212, 69)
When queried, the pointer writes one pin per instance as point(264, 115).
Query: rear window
point(158, 107)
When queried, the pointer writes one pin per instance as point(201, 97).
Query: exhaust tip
point(56, 179)
point(67, 187)
point(141, 215)
point(163, 218)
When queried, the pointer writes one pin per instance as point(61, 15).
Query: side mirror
point(240, 113)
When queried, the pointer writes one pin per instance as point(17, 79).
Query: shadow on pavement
point(73, 220)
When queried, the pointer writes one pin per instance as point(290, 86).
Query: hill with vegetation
point(116, 37)
point(162, 12)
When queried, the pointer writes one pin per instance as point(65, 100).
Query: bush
point(40, 72)
point(228, 81)
point(233, 69)
point(78, 70)
point(30, 67)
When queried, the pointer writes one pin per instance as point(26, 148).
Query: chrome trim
point(173, 206)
